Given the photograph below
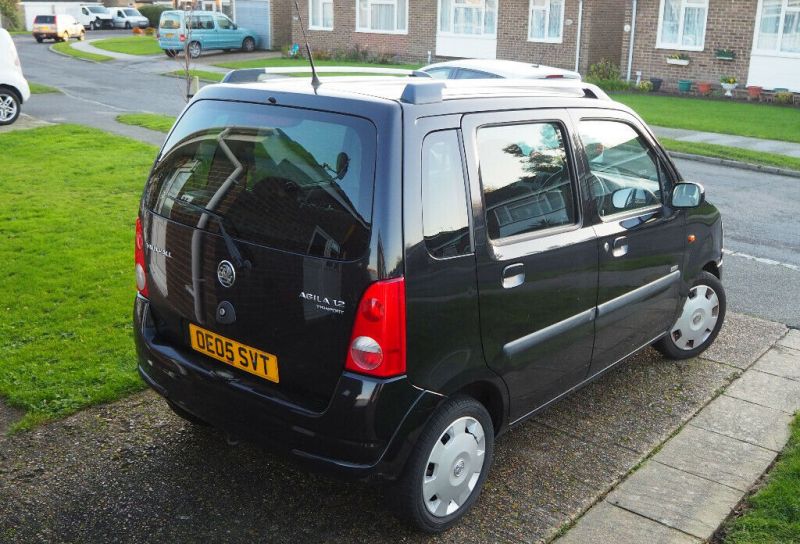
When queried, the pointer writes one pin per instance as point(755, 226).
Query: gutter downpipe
point(630, 44)
point(580, 28)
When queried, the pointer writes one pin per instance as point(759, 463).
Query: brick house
point(537, 31)
point(763, 34)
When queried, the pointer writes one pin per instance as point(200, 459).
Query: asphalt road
point(761, 211)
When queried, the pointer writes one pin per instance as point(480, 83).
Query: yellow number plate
point(231, 352)
point(170, 34)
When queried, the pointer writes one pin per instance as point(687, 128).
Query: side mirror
point(630, 198)
point(688, 195)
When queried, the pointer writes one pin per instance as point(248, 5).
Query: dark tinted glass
point(464, 73)
point(440, 73)
point(45, 19)
point(526, 179)
point(444, 199)
point(291, 179)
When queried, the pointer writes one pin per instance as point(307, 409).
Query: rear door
point(258, 220)
point(642, 240)
point(536, 255)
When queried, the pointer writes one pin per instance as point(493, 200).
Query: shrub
point(149, 31)
point(604, 70)
point(784, 97)
point(153, 13)
point(644, 87)
point(138, 31)
point(611, 85)
point(9, 14)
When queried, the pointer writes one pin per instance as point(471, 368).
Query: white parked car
point(14, 88)
point(128, 18)
point(59, 27)
point(495, 69)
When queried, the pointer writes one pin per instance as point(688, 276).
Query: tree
point(9, 13)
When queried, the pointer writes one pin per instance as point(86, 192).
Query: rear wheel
point(188, 416)
point(9, 107)
point(65, 37)
point(195, 49)
point(700, 320)
point(170, 52)
point(82, 35)
point(248, 45)
point(449, 464)
point(39, 39)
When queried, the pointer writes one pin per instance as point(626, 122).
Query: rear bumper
point(367, 429)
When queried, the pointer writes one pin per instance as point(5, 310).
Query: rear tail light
point(378, 342)
point(554, 76)
point(141, 274)
point(182, 37)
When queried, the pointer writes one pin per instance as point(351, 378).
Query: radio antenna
point(315, 82)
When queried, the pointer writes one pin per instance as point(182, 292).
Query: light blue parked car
point(207, 30)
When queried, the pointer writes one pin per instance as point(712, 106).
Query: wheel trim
point(698, 318)
point(194, 50)
point(8, 108)
point(454, 467)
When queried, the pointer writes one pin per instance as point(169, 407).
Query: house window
point(682, 24)
point(386, 16)
point(468, 17)
point(779, 26)
point(546, 21)
point(320, 14)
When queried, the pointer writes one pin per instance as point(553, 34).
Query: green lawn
point(722, 116)
point(732, 153)
point(773, 513)
point(153, 121)
point(37, 88)
point(280, 62)
point(67, 216)
point(67, 49)
point(202, 74)
point(131, 45)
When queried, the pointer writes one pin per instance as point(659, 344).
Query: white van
point(128, 18)
point(14, 88)
point(93, 16)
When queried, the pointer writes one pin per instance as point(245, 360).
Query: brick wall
point(603, 22)
point(512, 36)
point(730, 25)
point(281, 17)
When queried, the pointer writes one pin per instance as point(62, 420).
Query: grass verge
point(153, 121)
point(38, 88)
point(66, 273)
point(732, 153)
point(130, 45)
point(721, 116)
point(772, 515)
point(204, 75)
point(67, 49)
point(281, 62)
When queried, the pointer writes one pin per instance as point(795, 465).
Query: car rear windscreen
point(170, 21)
point(292, 179)
point(45, 19)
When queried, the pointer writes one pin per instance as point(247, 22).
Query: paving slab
point(780, 361)
point(606, 523)
point(716, 457)
point(24, 122)
point(767, 390)
point(791, 340)
point(677, 499)
point(742, 420)
point(743, 339)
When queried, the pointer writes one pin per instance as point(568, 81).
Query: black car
point(380, 276)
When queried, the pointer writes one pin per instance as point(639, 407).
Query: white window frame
point(682, 12)
point(483, 34)
point(546, 39)
point(776, 51)
point(366, 28)
point(311, 25)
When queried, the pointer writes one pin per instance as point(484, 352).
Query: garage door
point(254, 16)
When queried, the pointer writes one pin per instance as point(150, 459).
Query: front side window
point(546, 21)
point(682, 24)
point(625, 173)
point(223, 22)
point(468, 17)
point(320, 14)
point(526, 179)
point(445, 222)
point(381, 16)
point(779, 26)
point(132, 13)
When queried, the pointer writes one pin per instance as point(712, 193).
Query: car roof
point(505, 68)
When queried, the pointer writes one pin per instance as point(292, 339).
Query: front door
point(536, 256)
point(226, 34)
point(641, 240)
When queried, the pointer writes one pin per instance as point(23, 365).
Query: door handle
point(620, 247)
point(513, 275)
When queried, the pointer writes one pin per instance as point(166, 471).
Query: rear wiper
point(238, 260)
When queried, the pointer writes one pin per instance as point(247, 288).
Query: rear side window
point(170, 21)
point(45, 19)
point(526, 178)
point(202, 22)
point(445, 223)
point(295, 180)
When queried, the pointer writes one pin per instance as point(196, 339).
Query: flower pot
point(729, 87)
point(754, 92)
point(684, 85)
point(679, 62)
point(704, 88)
point(656, 81)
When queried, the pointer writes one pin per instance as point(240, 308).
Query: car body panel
point(11, 69)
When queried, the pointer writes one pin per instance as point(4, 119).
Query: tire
point(39, 40)
point(9, 107)
point(188, 416)
point(194, 49)
point(430, 491)
point(82, 36)
point(248, 45)
point(96, 24)
point(127, 25)
point(700, 321)
point(170, 52)
point(64, 37)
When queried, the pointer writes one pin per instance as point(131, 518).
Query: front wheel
point(700, 320)
point(96, 24)
point(9, 107)
point(249, 45)
point(449, 464)
point(127, 25)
